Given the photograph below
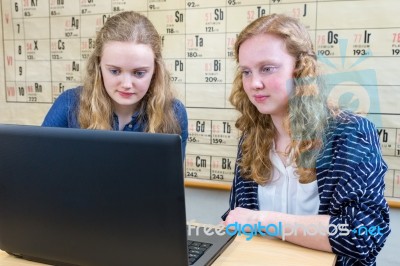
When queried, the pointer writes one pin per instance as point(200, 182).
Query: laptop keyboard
point(196, 249)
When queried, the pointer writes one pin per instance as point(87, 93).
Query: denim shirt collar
point(133, 125)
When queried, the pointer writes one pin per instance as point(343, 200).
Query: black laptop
point(91, 197)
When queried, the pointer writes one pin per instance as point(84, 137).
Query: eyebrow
point(136, 68)
point(260, 64)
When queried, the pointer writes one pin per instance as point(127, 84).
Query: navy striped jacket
point(350, 177)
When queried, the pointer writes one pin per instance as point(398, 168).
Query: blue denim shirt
point(64, 113)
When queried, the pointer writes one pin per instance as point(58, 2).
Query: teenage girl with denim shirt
point(126, 87)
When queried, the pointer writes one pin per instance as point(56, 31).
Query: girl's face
point(127, 70)
point(267, 73)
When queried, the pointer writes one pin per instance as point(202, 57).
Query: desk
point(257, 251)
point(271, 251)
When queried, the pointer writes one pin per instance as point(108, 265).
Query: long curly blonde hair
point(308, 111)
point(156, 107)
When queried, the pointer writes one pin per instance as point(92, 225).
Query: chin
point(125, 103)
point(264, 111)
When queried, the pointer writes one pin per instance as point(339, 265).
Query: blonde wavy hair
point(308, 111)
point(156, 107)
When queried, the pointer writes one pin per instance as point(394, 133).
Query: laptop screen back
point(92, 197)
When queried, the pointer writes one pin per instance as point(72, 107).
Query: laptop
point(91, 197)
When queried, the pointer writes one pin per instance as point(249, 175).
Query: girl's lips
point(125, 94)
point(260, 98)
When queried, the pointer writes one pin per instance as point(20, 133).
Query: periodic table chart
point(45, 45)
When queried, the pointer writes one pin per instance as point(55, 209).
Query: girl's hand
point(245, 216)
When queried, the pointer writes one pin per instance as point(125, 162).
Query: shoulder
point(74, 92)
point(352, 126)
point(178, 105)
point(62, 112)
point(179, 109)
point(350, 121)
point(350, 137)
point(70, 95)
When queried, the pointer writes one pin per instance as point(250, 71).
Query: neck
point(280, 127)
point(282, 137)
point(124, 111)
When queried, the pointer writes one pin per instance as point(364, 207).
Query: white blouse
point(285, 194)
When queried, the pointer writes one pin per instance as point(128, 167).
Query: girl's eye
point(114, 71)
point(268, 69)
point(139, 74)
point(245, 73)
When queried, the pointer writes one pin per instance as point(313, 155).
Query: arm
point(358, 198)
point(297, 229)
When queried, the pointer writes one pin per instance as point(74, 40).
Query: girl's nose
point(126, 81)
point(257, 82)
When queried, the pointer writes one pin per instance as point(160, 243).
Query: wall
point(45, 44)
